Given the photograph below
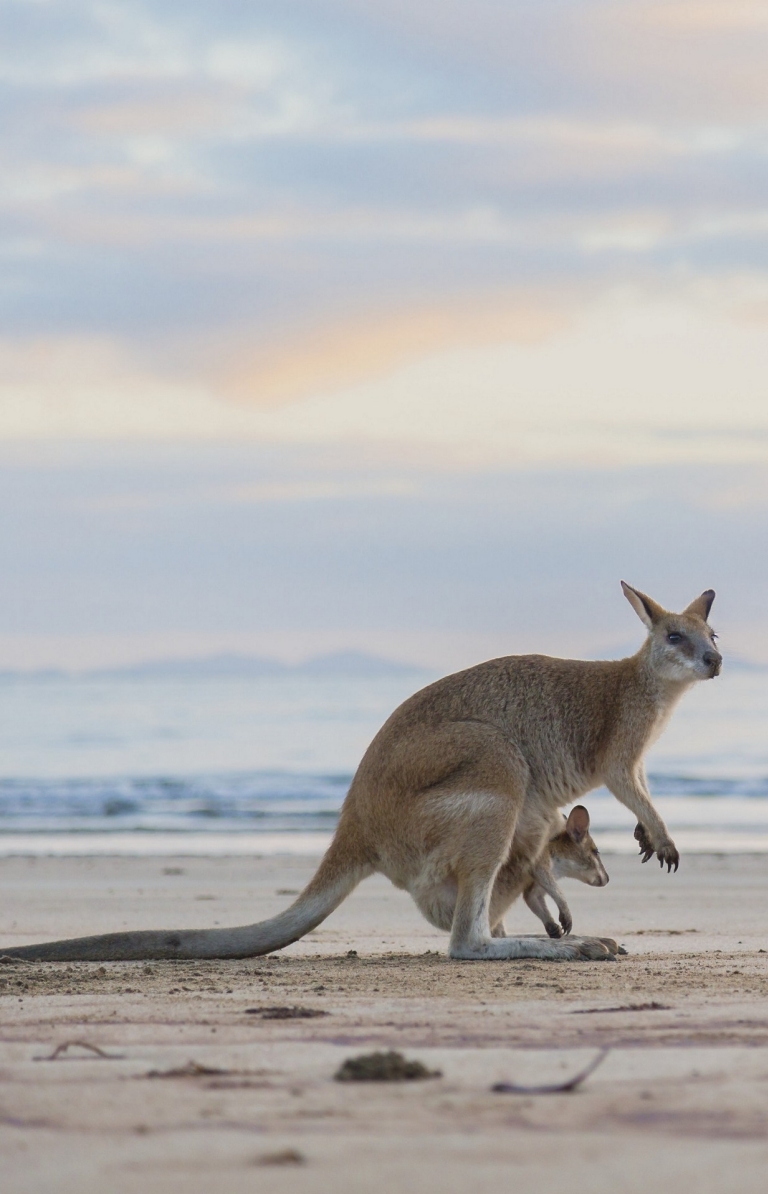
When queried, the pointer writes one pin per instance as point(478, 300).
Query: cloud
point(95, 388)
point(181, 112)
point(353, 214)
point(355, 349)
point(711, 16)
point(251, 493)
point(680, 62)
point(633, 376)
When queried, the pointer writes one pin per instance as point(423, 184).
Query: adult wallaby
point(570, 854)
point(454, 798)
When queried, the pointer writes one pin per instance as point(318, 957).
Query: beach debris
point(7, 960)
point(192, 1069)
point(62, 1050)
point(664, 932)
point(285, 1013)
point(553, 1087)
point(351, 953)
point(286, 1156)
point(219, 1079)
point(383, 1067)
point(652, 1006)
point(15, 1121)
point(623, 950)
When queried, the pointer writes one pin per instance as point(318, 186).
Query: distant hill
point(347, 664)
point(337, 664)
point(354, 663)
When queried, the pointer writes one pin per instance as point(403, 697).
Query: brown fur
point(455, 797)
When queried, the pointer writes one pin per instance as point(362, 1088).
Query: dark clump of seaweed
point(285, 1013)
point(383, 1067)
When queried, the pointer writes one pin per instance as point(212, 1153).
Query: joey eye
point(674, 637)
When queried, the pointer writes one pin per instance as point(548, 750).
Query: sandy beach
point(192, 1091)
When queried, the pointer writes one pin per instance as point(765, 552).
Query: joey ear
point(647, 610)
point(577, 825)
point(701, 605)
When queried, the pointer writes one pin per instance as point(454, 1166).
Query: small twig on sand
point(653, 1006)
point(192, 1069)
point(287, 1156)
point(61, 1049)
point(554, 1087)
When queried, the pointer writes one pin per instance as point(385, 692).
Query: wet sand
point(681, 1098)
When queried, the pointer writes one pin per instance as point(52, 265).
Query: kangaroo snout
point(714, 661)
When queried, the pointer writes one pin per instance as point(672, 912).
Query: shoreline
point(223, 844)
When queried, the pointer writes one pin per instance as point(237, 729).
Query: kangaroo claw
point(668, 854)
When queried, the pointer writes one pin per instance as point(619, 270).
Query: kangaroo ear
point(577, 825)
point(702, 605)
point(647, 610)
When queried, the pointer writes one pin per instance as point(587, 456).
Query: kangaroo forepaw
point(552, 929)
point(566, 920)
point(666, 853)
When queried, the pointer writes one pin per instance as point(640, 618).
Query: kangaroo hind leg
point(487, 844)
point(471, 938)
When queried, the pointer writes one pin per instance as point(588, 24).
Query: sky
point(410, 327)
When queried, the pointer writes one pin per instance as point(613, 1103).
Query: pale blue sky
point(408, 326)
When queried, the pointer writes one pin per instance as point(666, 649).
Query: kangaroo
point(570, 854)
point(455, 796)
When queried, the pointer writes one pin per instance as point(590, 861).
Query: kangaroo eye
point(674, 637)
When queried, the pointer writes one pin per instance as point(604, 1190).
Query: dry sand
point(681, 1099)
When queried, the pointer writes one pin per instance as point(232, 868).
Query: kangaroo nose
point(712, 658)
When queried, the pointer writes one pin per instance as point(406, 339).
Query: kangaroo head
point(680, 646)
point(573, 852)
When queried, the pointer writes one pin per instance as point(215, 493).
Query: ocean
point(193, 762)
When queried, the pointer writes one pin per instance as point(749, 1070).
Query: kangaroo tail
point(340, 870)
